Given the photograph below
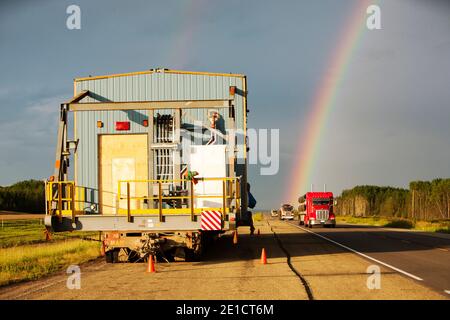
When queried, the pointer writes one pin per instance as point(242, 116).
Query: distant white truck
point(274, 213)
point(286, 212)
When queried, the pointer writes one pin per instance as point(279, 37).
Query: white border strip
point(361, 254)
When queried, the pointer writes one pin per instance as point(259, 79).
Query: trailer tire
point(112, 256)
point(191, 255)
point(109, 257)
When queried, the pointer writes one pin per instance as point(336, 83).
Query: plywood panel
point(122, 157)
point(124, 169)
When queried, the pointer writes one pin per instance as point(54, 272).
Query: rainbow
point(323, 101)
point(180, 50)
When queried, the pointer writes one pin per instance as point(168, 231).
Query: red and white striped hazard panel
point(211, 220)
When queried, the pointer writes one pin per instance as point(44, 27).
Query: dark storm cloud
point(389, 124)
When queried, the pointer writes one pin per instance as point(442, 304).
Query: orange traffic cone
point(151, 265)
point(263, 256)
point(235, 237)
point(102, 250)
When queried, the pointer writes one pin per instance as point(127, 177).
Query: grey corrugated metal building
point(151, 85)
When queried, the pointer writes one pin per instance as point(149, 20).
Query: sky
point(388, 125)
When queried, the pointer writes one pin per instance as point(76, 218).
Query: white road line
point(361, 254)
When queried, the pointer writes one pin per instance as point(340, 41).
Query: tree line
point(424, 200)
point(23, 196)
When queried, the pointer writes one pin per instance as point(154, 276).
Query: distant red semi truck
point(316, 208)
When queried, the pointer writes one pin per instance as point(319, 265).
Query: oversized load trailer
point(160, 161)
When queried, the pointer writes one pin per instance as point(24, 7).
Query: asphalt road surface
point(424, 257)
point(301, 266)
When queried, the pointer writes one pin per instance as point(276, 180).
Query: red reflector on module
point(122, 125)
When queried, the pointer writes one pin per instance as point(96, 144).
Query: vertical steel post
point(192, 200)
point(128, 202)
point(238, 192)
point(72, 203)
point(160, 200)
point(150, 158)
point(60, 201)
point(46, 196)
point(224, 200)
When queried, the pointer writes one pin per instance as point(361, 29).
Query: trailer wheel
point(109, 256)
point(112, 256)
point(191, 255)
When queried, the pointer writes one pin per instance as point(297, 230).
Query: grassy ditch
point(29, 262)
point(25, 255)
point(257, 216)
point(22, 232)
point(442, 226)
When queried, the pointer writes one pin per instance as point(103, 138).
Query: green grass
point(257, 216)
point(442, 226)
point(26, 255)
point(433, 226)
point(400, 223)
point(29, 262)
point(21, 232)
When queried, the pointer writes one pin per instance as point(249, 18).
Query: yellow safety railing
point(63, 198)
point(230, 192)
point(60, 198)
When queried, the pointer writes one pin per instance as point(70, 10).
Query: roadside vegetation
point(26, 255)
point(423, 201)
point(424, 206)
point(31, 231)
point(29, 262)
point(442, 226)
point(23, 196)
point(257, 216)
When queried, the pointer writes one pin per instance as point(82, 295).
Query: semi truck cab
point(317, 209)
point(286, 212)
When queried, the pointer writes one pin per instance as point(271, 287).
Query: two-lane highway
point(424, 257)
point(300, 265)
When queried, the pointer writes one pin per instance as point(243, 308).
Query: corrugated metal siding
point(160, 87)
point(144, 87)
